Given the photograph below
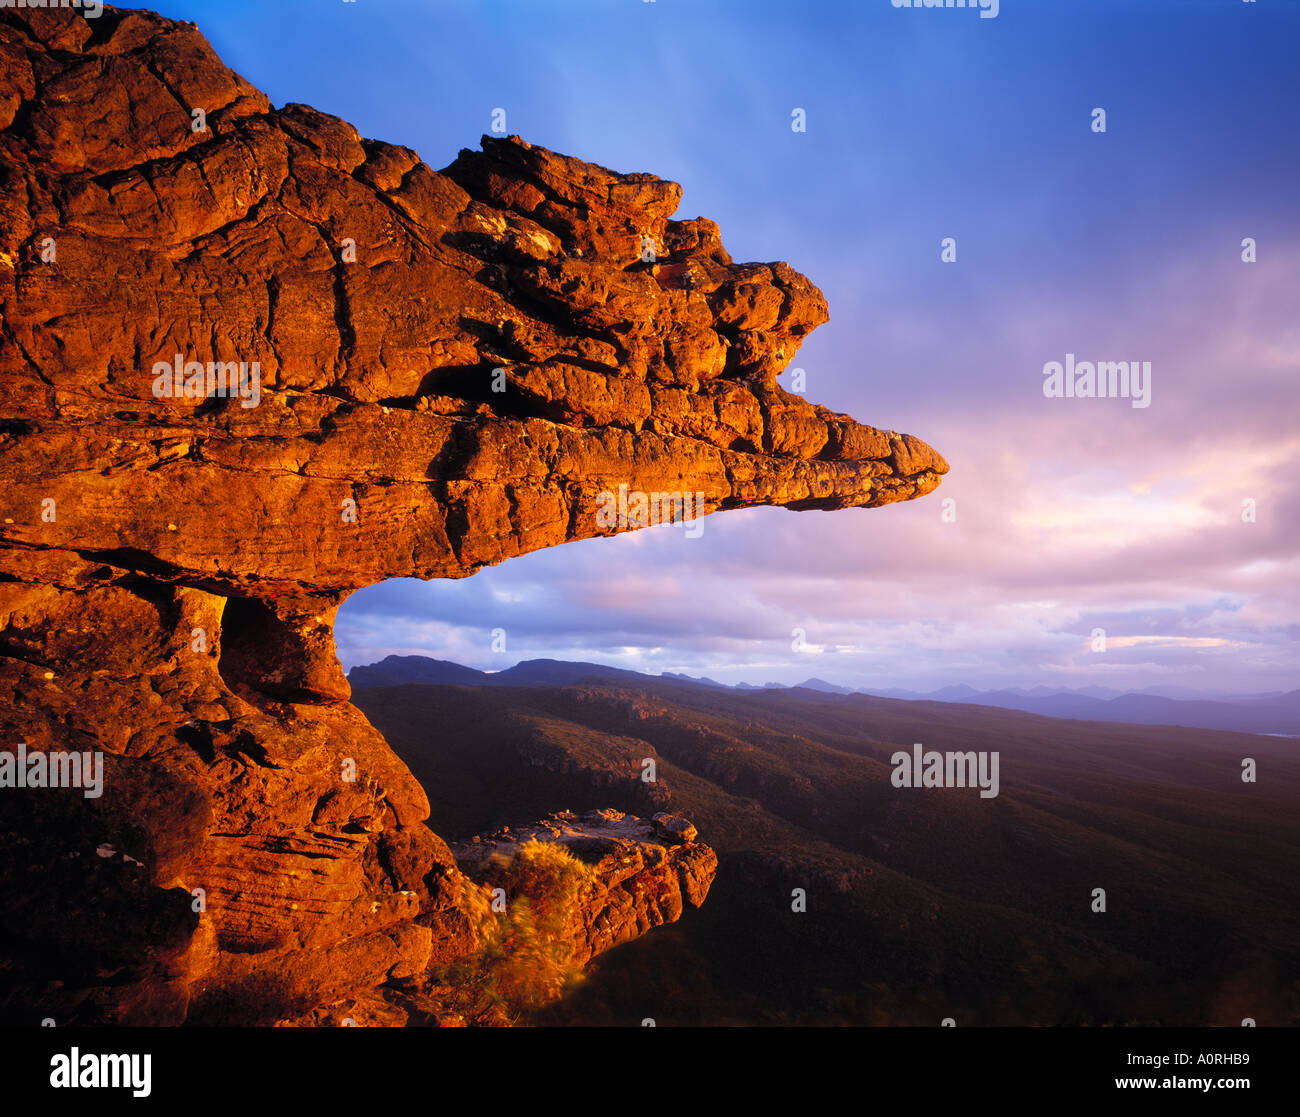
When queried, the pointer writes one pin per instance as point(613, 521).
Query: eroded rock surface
point(644, 872)
point(170, 567)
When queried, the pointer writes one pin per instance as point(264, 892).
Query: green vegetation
point(525, 960)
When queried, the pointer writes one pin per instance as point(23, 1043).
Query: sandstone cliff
point(171, 565)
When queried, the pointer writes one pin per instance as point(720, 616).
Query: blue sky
point(1071, 515)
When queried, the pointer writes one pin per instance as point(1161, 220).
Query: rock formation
point(441, 370)
point(645, 872)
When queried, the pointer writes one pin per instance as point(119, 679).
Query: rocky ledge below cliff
point(638, 874)
point(643, 873)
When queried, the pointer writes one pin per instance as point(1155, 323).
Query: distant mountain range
point(398, 669)
point(1273, 712)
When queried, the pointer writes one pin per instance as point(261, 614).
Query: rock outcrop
point(440, 370)
point(644, 873)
